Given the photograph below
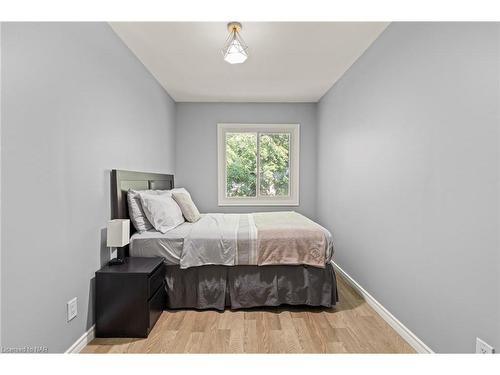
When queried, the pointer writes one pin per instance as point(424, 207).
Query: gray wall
point(408, 178)
point(76, 103)
point(196, 148)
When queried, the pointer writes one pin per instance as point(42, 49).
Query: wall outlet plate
point(72, 308)
point(483, 348)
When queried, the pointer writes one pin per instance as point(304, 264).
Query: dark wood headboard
point(122, 181)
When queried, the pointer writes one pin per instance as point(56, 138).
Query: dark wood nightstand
point(129, 297)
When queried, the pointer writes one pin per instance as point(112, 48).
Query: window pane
point(274, 149)
point(241, 164)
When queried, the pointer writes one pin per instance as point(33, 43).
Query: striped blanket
point(271, 238)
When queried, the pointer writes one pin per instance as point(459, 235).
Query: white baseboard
point(82, 341)
point(399, 327)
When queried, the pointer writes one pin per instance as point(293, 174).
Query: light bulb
point(235, 53)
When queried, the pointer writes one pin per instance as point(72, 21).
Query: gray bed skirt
point(237, 287)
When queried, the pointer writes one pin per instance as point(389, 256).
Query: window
point(258, 164)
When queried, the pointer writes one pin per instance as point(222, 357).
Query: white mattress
point(153, 243)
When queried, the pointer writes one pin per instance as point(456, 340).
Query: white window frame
point(293, 198)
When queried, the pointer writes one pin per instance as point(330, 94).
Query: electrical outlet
point(483, 347)
point(72, 308)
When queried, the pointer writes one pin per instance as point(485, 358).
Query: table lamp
point(118, 236)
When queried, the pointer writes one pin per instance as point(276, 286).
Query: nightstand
point(129, 297)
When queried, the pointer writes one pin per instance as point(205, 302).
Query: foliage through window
point(241, 165)
point(256, 163)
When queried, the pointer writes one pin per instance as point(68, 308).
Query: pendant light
point(235, 49)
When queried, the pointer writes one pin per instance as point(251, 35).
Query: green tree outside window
point(273, 152)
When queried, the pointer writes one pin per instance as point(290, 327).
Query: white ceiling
point(288, 62)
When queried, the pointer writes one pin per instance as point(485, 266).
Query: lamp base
point(116, 262)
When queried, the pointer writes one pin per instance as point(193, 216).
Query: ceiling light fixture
point(235, 49)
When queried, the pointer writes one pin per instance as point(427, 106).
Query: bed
point(243, 278)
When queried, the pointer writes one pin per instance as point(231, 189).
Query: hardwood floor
point(351, 327)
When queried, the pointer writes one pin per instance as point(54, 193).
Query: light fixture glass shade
point(118, 233)
point(235, 49)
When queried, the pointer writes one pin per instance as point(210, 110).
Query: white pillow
point(162, 211)
point(135, 211)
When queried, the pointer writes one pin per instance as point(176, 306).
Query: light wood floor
point(351, 327)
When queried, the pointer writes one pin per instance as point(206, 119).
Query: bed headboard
point(121, 181)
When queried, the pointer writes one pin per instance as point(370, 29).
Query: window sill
point(259, 203)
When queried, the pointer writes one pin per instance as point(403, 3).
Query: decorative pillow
point(136, 213)
point(162, 211)
point(187, 206)
point(180, 190)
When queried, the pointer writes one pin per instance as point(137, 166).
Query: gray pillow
point(188, 208)
point(135, 211)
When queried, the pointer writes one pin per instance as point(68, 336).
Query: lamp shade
point(118, 232)
point(235, 53)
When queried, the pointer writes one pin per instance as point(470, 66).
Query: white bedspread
point(211, 240)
